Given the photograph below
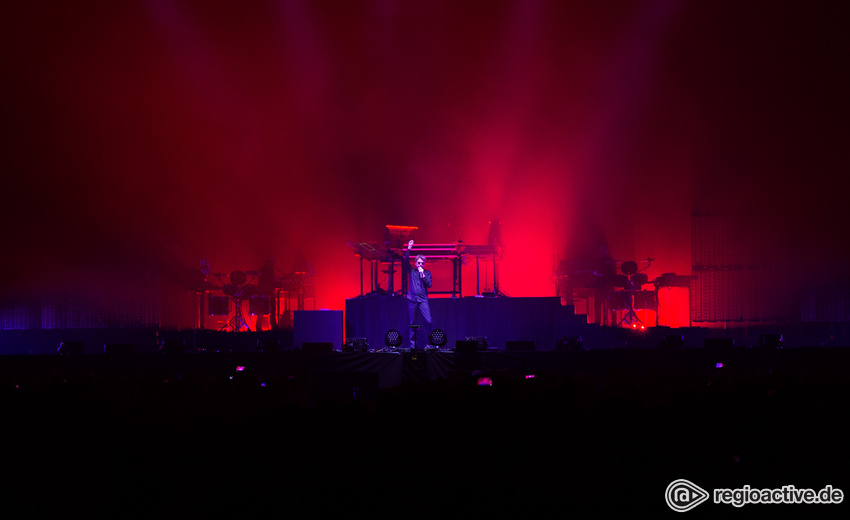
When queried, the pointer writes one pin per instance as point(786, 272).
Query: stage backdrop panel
point(498, 319)
point(317, 327)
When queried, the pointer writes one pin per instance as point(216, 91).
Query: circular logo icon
point(683, 495)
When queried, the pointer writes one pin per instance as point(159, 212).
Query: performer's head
point(420, 261)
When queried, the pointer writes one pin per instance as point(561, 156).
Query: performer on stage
point(419, 280)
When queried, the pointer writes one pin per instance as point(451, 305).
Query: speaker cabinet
point(519, 346)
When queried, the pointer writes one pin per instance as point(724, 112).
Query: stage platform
point(540, 320)
point(558, 342)
point(546, 323)
point(539, 323)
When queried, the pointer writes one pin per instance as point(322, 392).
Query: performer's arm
point(406, 258)
point(427, 279)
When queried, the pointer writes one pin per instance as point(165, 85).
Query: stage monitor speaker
point(317, 346)
point(569, 344)
point(466, 346)
point(355, 345)
point(519, 346)
point(480, 340)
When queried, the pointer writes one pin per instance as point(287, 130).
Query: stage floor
point(542, 324)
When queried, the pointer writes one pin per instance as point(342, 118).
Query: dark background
point(142, 136)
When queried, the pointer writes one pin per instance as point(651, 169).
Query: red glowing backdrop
point(151, 134)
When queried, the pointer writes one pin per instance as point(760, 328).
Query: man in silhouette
point(418, 283)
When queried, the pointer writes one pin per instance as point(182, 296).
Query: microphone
point(421, 272)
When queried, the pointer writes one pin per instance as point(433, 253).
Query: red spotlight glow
point(290, 129)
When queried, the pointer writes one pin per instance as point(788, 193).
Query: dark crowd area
point(603, 438)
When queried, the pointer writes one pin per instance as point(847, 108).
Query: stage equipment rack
point(455, 252)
